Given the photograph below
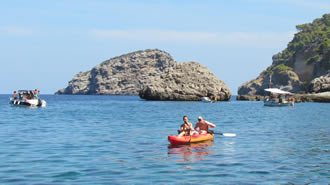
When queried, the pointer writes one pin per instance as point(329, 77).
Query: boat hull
point(272, 103)
point(31, 103)
point(177, 140)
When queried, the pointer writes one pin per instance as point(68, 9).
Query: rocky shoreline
point(313, 97)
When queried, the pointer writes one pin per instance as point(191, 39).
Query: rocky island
point(153, 74)
point(302, 68)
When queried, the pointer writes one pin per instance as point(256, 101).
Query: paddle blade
point(228, 134)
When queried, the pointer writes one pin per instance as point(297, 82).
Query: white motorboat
point(25, 99)
point(278, 97)
point(206, 99)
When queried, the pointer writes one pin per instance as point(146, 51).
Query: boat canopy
point(277, 91)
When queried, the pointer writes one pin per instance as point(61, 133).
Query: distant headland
point(302, 68)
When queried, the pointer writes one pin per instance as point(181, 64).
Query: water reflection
point(193, 152)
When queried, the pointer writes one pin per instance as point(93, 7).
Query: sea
point(87, 139)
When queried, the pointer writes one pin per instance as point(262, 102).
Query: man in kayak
point(202, 126)
point(186, 128)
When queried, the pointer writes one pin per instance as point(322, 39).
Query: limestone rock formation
point(186, 82)
point(283, 79)
point(148, 72)
point(123, 75)
point(306, 58)
point(321, 84)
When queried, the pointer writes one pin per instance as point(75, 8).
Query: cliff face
point(130, 73)
point(321, 84)
point(123, 75)
point(186, 82)
point(283, 79)
point(306, 58)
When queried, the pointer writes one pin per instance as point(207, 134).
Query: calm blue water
point(123, 140)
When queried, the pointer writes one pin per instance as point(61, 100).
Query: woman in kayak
point(186, 128)
point(202, 126)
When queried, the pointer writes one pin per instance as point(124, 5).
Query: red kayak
point(177, 140)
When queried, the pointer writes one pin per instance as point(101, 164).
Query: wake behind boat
point(27, 98)
point(278, 97)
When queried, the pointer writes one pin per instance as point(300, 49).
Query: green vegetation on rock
point(304, 66)
point(280, 67)
point(267, 71)
point(283, 67)
point(312, 38)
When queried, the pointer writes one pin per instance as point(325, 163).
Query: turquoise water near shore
point(123, 140)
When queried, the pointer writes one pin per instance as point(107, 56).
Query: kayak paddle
point(226, 134)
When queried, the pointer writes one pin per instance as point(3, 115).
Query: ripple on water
point(123, 140)
point(67, 175)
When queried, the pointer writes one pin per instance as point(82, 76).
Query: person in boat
point(186, 128)
point(272, 96)
point(31, 95)
point(14, 95)
point(202, 126)
point(280, 99)
point(26, 95)
point(35, 93)
point(211, 98)
point(20, 95)
point(290, 99)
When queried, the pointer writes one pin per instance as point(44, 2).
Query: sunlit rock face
point(153, 74)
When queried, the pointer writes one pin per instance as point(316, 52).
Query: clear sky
point(43, 44)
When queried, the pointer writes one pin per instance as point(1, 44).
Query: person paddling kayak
point(202, 126)
point(186, 128)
